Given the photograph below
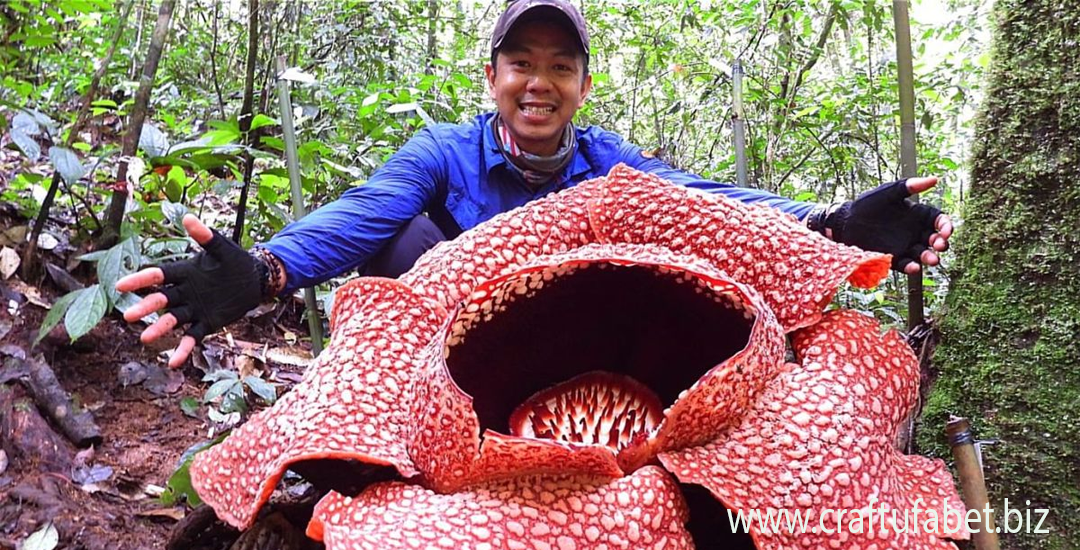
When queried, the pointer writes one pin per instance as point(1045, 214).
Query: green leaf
point(190, 406)
point(45, 538)
point(25, 123)
point(174, 212)
point(56, 313)
point(153, 141)
point(67, 163)
point(402, 107)
point(26, 144)
point(220, 374)
point(261, 120)
point(219, 388)
point(179, 485)
point(93, 256)
point(85, 312)
point(262, 388)
point(118, 262)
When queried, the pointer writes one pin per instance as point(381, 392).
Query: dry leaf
point(175, 514)
point(9, 262)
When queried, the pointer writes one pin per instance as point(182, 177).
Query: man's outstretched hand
point(884, 220)
point(212, 289)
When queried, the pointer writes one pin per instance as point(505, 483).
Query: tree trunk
point(246, 114)
point(1010, 356)
point(135, 123)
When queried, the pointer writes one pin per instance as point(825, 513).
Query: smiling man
point(452, 177)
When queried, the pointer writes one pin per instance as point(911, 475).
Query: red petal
point(553, 224)
point(797, 271)
point(643, 511)
point(822, 435)
point(347, 406)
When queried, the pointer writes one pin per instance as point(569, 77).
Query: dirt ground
point(143, 428)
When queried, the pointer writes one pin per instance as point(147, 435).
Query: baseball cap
point(558, 8)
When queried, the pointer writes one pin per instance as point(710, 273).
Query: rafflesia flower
point(601, 369)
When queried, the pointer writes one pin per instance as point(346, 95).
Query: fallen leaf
point(45, 538)
point(3, 461)
point(175, 514)
point(246, 365)
point(162, 381)
point(289, 355)
point(9, 262)
point(47, 241)
point(132, 373)
point(90, 475)
point(14, 236)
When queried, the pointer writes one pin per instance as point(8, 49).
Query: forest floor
point(106, 496)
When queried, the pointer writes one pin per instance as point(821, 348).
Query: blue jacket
point(456, 174)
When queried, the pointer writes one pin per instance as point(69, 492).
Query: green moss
point(1010, 356)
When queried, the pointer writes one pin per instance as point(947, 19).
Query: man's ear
point(489, 72)
point(586, 87)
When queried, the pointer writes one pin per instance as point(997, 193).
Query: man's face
point(538, 85)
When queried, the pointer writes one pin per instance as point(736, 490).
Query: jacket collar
point(493, 157)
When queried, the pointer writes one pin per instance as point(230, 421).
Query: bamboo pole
point(908, 163)
point(972, 482)
point(292, 160)
point(738, 124)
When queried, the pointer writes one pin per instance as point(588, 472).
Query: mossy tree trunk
point(1010, 356)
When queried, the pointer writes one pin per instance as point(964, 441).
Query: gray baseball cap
point(557, 8)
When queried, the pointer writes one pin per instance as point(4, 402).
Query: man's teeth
point(537, 110)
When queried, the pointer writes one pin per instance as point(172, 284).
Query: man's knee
point(417, 236)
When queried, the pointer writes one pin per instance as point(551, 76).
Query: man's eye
point(520, 63)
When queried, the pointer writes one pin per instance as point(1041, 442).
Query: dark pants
point(399, 255)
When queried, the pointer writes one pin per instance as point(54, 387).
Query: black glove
point(881, 220)
point(215, 287)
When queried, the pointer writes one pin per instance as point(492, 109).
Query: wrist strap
point(269, 270)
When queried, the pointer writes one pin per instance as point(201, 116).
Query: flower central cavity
point(527, 348)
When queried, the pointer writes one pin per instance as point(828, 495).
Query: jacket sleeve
point(631, 154)
point(344, 234)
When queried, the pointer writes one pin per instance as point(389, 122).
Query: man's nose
point(539, 82)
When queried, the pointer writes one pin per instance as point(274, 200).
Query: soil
point(143, 433)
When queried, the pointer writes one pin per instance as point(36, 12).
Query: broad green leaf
point(262, 388)
point(179, 485)
point(190, 406)
point(153, 141)
point(56, 313)
point(25, 123)
point(262, 120)
point(29, 147)
point(127, 300)
point(92, 256)
point(221, 136)
point(67, 163)
point(85, 312)
point(217, 389)
point(45, 538)
point(118, 262)
point(174, 212)
point(43, 119)
point(402, 107)
point(220, 374)
point(105, 103)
